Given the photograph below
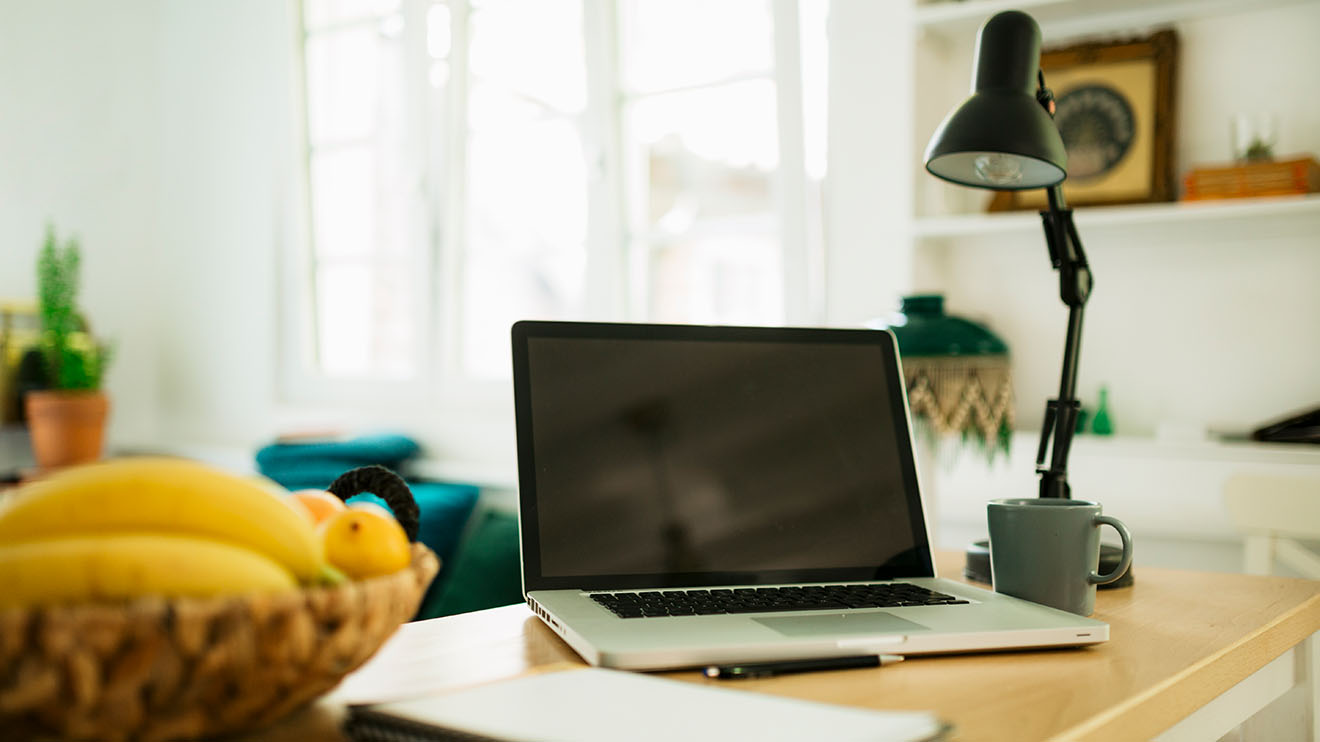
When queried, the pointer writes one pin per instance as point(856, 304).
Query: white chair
point(1273, 512)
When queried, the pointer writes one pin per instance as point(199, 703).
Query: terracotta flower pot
point(66, 427)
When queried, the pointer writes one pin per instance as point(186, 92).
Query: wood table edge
point(1160, 707)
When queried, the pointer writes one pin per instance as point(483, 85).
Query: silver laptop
point(695, 495)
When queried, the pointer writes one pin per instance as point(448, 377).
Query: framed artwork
point(1115, 109)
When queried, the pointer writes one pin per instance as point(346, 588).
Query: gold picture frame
point(1115, 109)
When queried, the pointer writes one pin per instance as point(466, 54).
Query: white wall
point(161, 134)
point(225, 156)
point(867, 230)
point(79, 83)
point(1214, 331)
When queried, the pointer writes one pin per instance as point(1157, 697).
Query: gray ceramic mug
point(1047, 550)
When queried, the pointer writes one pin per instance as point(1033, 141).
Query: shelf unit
point(1068, 18)
point(949, 28)
point(1204, 313)
point(1168, 491)
point(1201, 305)
point(1221, 451)
point(1100, 217)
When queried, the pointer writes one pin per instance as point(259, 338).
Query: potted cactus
point(66, 420)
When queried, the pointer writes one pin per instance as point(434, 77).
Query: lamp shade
point(1001, 138)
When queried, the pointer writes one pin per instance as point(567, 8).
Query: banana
point(129, 565)
point(167, 495)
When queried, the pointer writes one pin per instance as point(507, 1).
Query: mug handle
point(1125, 562)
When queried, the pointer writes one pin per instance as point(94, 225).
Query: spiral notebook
point(589, 704)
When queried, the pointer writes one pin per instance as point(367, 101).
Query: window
point(471, 163)
point(524, 244)
point(361, 174)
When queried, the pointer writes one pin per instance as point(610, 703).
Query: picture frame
point(1115, 107)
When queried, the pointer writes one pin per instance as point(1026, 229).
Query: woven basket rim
point(310, 638)
point(423, 560)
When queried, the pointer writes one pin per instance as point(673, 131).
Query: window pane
point(707, 159)
point(526, 203)
point(532, 49)
point(343, 189)
point(360, 203)
point(366, 317)
point(678, 43)
point(325, 12)
point(814, 19)
point(354, 84)
point(527, 188)
point(492, 108)
point(729, 127)
point(439, 31)
point(527, 220)
point(502, 288)
point(366, 165)
point(727, 273)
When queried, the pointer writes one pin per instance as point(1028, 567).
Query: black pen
point(768, 669)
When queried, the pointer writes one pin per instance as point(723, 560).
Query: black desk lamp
point(1004, 138)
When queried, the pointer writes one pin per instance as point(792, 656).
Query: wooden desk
point(1190, 656)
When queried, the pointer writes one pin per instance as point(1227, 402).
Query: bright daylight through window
point(469, 164)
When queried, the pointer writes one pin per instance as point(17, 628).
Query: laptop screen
point(666, 455)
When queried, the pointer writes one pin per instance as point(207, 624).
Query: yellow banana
point(164, 495)
point(129, 565)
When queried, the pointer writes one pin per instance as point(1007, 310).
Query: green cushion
point(485, 572)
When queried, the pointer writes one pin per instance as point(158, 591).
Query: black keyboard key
point(770, 599)
point(785, 608)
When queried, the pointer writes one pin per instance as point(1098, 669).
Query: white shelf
point(1221, 451)
point(1168, 491)
point(1099, 217)
point(1060, 19)
point(1173, 450)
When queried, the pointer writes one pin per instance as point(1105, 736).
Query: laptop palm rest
point(840, 624)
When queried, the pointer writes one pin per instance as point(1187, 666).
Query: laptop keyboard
point(769, 599)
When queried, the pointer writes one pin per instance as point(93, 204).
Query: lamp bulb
point(999, 169)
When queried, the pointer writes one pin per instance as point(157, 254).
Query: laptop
point(698, 495)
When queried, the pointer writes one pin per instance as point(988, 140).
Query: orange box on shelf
point(1296, 176)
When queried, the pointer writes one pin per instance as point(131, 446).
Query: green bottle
point(1100, 424)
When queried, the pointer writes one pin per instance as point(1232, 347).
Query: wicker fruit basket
point(186, 668)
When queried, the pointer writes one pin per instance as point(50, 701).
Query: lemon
point(365, 540)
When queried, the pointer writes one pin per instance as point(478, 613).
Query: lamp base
point(977, 566)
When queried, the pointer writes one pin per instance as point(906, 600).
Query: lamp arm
point(1074, 289)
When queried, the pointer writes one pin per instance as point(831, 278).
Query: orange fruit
point(319, 503)
point(365, 540)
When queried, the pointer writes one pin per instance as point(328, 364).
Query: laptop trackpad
point(840, 624)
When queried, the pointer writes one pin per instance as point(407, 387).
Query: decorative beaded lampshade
point(956, 372)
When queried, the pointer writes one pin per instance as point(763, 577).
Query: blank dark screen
point(690, 456)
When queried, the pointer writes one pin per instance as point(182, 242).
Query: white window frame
point(615, 262)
